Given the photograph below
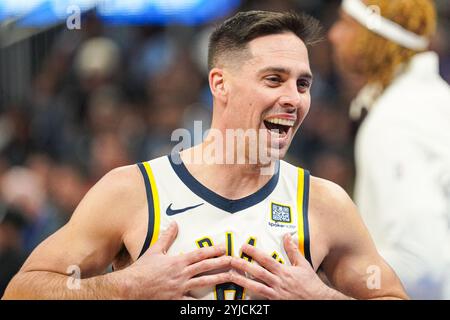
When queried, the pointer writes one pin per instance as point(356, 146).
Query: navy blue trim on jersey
point(231, 206)
point(151, 210)
point(305, 219)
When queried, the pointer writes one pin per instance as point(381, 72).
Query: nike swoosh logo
point(171, 212)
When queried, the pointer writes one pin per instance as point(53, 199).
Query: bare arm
point(51, 285)
point(89, 241)
point(353, 264)
point(92, 239)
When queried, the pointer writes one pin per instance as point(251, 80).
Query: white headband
point(371, 18)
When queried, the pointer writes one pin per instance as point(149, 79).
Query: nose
point(291, 99)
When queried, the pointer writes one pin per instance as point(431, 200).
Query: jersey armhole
point(307, 244)
point(153, 207)
point(302, 208)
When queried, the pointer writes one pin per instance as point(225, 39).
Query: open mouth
point(279, 126)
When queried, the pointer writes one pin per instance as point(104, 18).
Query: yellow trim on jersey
point(156, 208)
point(300, 222)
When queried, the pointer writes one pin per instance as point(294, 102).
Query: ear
point(217, 84)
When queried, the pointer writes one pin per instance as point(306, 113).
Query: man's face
point(270, 91)
point(342, 35)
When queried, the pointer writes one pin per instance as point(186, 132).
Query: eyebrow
point(304, 75)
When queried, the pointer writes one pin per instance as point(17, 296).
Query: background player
point(402, 154)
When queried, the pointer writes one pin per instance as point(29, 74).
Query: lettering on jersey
point(276, 256)
point(231, 291)
point(204, 242)
point(281, 216)
point(229, 241)
point(251, 241)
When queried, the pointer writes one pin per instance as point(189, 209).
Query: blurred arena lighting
point(10, 9)
point(42, 13)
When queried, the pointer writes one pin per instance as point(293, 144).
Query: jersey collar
point(215, 199)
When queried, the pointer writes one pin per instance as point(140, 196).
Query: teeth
point(284, 122)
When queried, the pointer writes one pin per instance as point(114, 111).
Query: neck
point(230, 180)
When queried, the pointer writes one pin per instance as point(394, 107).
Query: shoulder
point(326, 194)
point(323, 194)
point(114, 197)
point(333, 209)
point(337, 217)
point(121, 182)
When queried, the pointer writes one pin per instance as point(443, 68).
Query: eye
point(303, 84)
point(273, 80)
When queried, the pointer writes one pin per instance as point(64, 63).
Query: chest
point(262, 226)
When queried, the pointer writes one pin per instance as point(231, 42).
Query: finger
point(188, 298)
point(292, 251)
point(253, 286)
point(204, 253)
point(208, 265)
point(263, 259)
point(208, 280)
point(166, 239)
point(254, 270)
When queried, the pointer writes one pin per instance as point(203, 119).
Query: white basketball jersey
point(205, 218)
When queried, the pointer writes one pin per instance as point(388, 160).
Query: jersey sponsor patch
point(281, 213)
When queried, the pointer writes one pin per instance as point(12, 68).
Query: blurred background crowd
point(75, 104)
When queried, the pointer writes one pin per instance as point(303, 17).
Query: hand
point(277, 281)
point(156, 275)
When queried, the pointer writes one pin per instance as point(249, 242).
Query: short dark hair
point(236, 32)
